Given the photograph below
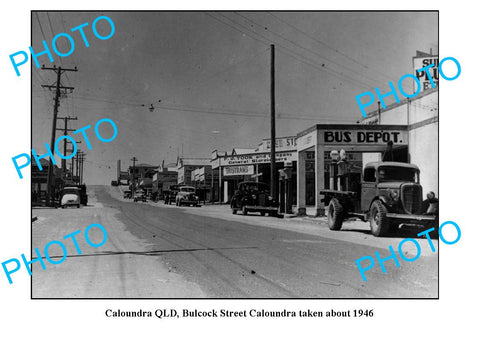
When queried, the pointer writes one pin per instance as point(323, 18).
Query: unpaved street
point(162, 251)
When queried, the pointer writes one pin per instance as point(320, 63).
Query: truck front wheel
point(335, 214)
point(378, 219)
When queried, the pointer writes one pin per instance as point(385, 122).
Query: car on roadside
point(254, 197)
point(70, 196)
point(139, 196)
point(127, 194)
point(187, 196)
point(170, 195)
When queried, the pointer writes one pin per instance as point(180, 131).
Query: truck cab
point(396, 184)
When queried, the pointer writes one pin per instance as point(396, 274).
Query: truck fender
point(380, 198)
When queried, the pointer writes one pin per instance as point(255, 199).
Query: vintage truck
point(389, 194)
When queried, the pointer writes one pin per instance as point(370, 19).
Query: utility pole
point(82, 158)
point(273, 170)
point(65, 132)
point(77, 172)
point(58, 86)
point(72, 168)
point(134, 159)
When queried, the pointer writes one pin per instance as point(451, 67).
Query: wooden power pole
point(273, 170)
point(58, 87)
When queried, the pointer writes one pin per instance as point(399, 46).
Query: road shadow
point(400, 232)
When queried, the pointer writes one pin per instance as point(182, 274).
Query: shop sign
point(281, 144)
point(260, 158)
point(240, 170)
point(365, 137)
point(306, 141)
point(418, 64)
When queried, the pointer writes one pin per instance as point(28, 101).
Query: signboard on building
point(239, 170)
point(259, 158)
point(421, 62)
point(281, 144)
point(345, 137)
point(307, 140)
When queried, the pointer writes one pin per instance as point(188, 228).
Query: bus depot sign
point(399, 137)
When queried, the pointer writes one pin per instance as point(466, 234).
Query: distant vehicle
point(70, 196)
point(186, 196)
point(127, 194)
point(254, 196)
point(171, 194)
point(139, 196)
point(390, 194)
point(114, 183)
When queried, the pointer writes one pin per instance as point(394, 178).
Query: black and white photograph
point(234, 154)
point(214, 170)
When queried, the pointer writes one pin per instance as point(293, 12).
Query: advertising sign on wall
point(260, 158)
point(398, 137)
point(421, 62)
point(239, 170)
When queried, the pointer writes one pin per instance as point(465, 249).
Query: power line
point(235, 28)
point(324, 67)
point(330, 47)
point(222, 111)
point(304, 48)
point(39, 24)
point(231, 66)
point(53, 35)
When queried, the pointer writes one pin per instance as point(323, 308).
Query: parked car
point(70, 196)
point(186, 196)
point(127, 194)
point(254, 196)
point(171, 194)
point(139, 196)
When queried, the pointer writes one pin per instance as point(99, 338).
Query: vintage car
point(170, 195)
point(127, 194)
point(254, 196)
point(139, 196)
point(186, 196)
point(70, 196)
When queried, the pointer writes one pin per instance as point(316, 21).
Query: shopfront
point(252, 166)
point(315, 144)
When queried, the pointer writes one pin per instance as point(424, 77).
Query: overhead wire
point(304, 48)
point(330, 47)
point(249, 58)
point(216, 111)
point(322, 67)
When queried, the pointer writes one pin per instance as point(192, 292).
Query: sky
point(207, 74)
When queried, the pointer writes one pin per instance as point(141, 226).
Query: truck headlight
point(394, 194)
